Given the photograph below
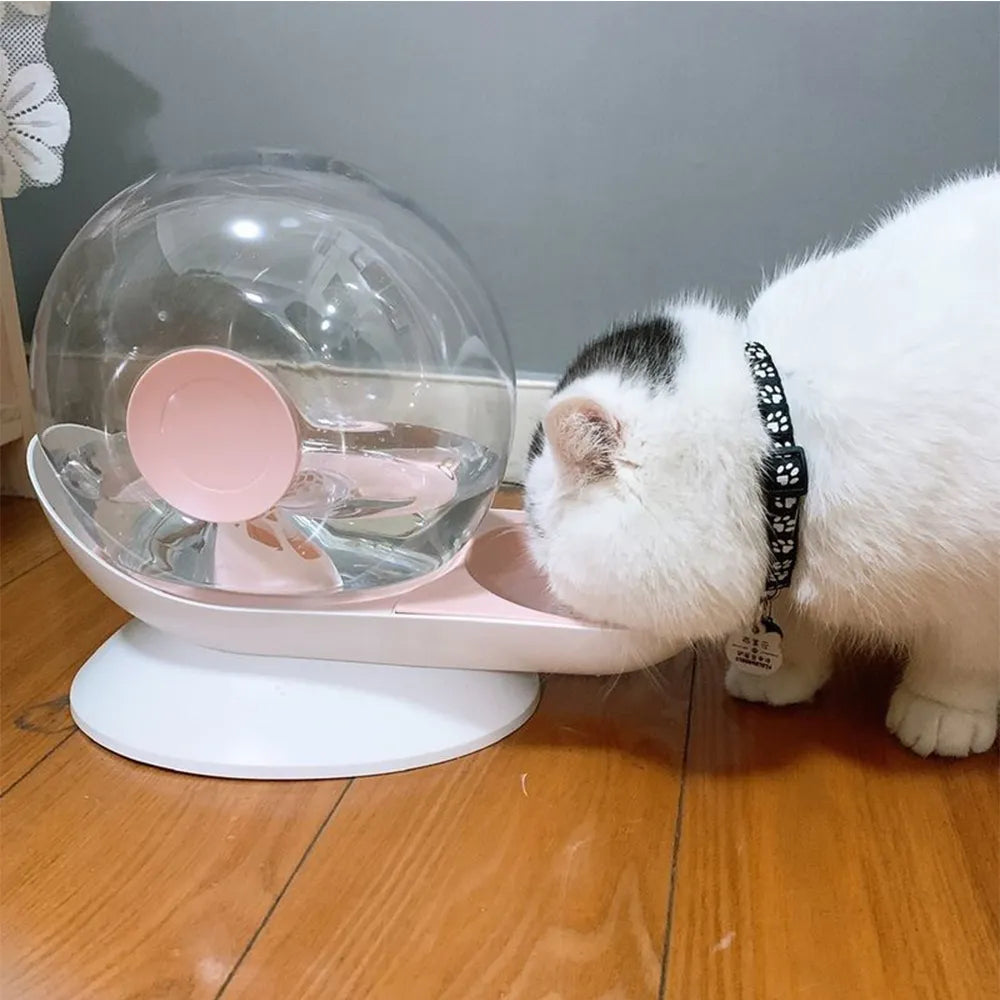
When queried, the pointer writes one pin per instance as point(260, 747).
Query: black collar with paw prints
point(784, 476)
point(783, 483)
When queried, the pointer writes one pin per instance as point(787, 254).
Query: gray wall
point(589, 157)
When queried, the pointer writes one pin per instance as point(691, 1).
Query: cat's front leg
point(947, 700)
point(807, 662)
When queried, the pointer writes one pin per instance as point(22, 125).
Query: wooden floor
point(643, 838)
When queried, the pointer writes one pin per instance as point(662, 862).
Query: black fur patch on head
point(537, 439)
point(648, 349)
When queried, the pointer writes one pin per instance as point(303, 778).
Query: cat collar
point(784, 476)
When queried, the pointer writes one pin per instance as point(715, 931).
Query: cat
point(643, 495)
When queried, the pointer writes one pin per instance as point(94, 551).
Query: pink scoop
point(212, 434)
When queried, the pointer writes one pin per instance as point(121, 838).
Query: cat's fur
point(643, 493)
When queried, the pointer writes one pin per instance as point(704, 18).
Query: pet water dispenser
point(274, 405)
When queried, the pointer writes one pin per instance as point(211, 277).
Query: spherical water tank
point(271, 376)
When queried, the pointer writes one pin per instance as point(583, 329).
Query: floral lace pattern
point(34, 120)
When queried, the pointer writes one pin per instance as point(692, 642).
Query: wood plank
point(25, 538)
point(53, 619)
point(536, 868)
point(124, 881)
point(508, 498)
point(820, 859)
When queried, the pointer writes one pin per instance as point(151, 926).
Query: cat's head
point(642, 489)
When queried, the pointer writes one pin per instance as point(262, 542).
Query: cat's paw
point(927, 726)
point(786, 686)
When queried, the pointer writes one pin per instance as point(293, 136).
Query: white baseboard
point(533, 392)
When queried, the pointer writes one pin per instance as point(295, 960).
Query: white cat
point(643, 489)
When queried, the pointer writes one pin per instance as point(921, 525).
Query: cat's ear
point(584, 437)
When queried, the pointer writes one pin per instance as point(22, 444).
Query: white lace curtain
point(34, 120)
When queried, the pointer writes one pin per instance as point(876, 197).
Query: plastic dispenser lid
point(212, 434)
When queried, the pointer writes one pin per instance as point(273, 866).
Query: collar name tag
point(756, 650)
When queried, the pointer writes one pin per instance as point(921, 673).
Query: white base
point(159, 700)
